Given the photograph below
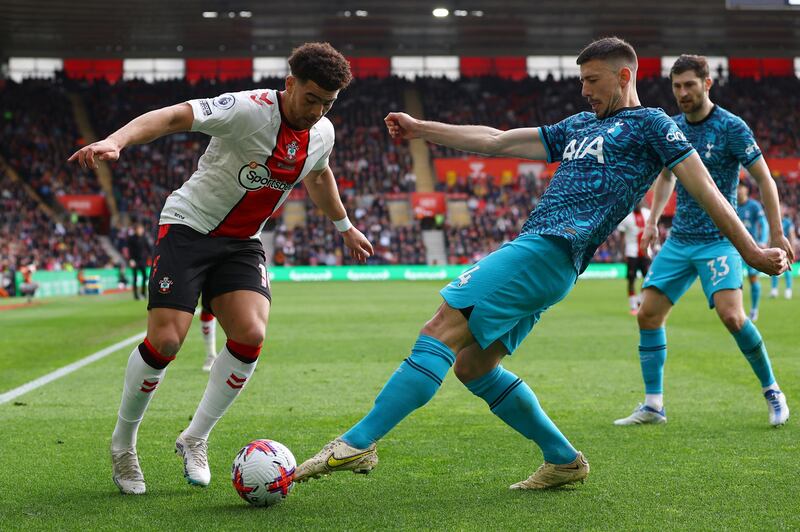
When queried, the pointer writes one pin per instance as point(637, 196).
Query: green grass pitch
point(330, 347)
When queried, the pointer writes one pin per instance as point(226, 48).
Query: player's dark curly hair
point(321, 63)
point(609, 48)
point(696, 63)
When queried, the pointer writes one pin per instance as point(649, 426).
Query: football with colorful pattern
point(263, 472)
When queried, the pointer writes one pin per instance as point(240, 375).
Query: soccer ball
point(263, 472)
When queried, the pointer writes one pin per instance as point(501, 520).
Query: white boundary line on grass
point(66, 370)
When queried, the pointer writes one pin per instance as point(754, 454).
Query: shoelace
point(199, 452)
point(773, 400)
point(128, 466)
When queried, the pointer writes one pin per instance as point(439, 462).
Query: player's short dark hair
point(321, 63)
point(686, 62)
point(609, 48)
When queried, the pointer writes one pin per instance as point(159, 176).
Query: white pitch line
point(66, 370)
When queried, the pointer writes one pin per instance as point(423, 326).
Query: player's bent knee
point(733, 321)
point(252, 335)
point(166, 345)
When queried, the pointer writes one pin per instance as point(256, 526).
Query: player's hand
point(649, 238)
point(103, 150)
point(357, 243)
point(401, 125)
point(783, 243)
point(772, 261)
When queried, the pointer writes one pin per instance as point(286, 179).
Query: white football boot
point(337, 456)
point(554, 475)
point(127, 474)
point(643, 415)
point(194, 452)
point(753, 315)
point(778, 409)
point(788, 293)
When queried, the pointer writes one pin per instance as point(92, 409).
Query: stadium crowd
point(40, 132)
point(317, 242)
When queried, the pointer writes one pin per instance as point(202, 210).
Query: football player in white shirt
point(264, 142)
point(636, 258)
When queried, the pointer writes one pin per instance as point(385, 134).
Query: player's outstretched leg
point(145, 371)
point(513, 401)
point(208, 328)
point(229, 374)
point(411, 386)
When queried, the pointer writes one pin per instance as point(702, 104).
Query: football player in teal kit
point(697, 247)
point(752, 215)
point(609, 158)
point(788, 232)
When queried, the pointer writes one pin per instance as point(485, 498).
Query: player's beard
point(694, 106)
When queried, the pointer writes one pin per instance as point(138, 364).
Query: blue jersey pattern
point(724, 142)
point(752, 215)
point(606, 167)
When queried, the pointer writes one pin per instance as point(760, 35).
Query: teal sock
point(788, 276)
point(514, 402)
point(410, 387)
point(755, 295)
point(774, 280)
point(652, 355)
point(752, 345)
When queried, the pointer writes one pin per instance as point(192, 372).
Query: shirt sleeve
point(554, 139)
point(226, 116)
point(666, 139)
point(742, 143)
point(328, 140)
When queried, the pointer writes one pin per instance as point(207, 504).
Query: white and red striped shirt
point(253, 161)
point(633, 227)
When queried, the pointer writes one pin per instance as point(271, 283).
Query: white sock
point(654, 400)
point(226, 380)
point(141, 381)
point(209, 330)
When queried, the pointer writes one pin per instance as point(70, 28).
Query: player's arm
point(141, 130)
point(662, 190)
point(769, 197)
point(522, 142)
point(697, 181)
point(321, 187)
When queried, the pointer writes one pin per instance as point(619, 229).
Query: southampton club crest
point(291, 150)
point(165, 285)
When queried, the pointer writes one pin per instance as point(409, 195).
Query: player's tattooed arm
point(769, 197)
point(522, 142)
point(141, 130)
point(696, 180)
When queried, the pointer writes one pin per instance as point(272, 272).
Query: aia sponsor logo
point(575, 150)
point(255, 176)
